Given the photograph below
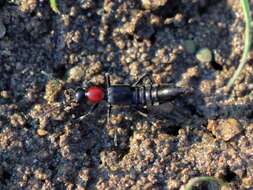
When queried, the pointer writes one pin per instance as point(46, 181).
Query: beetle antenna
point(89, 112)
point(59, 106)
point(141, 79)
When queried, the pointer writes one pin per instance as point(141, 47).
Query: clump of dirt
point(44, 57)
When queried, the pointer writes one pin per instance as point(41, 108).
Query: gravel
point(224, 129)
point(189, 46)
point(204, 55)
point(43, 146)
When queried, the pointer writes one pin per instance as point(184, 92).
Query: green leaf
point(54, 6)
point(247, 42)
point(192, 182)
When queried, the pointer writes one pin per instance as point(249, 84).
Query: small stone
point(193, 72)
point(140, 25)
point(53, 87)
point(83, 176)
point(178, 20)
point(189, 46)
point(206, 86)
point(204, 55)
point(39, 174)
point(173, 184)
point(148, 185)
point(76, 74)
point(2, 30)
point(4, 94)
point(224, 129)
point(247, 182)
point(86, 4)
point(28, 5)
point(153, 4)
point(116, 119)
point(44, 155)
point(42, 132)
point(17, 120)
point(169, 21)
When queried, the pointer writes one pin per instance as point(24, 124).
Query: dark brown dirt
point(44, 57)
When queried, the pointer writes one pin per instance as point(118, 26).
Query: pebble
point(189, 46)
point(224, 129)
point(74, 148)
point(86, 4)
point(142, 24)
point(153, 4)
point(75, 74)
point(28, 5)
point(42, 132)
point(204, 55)
point(4, 94)
point(2, 30)
point(39, 174)
point(247, 182)
point(178, 20)
point(53, 87)
point(17, 120)
point(206, 86)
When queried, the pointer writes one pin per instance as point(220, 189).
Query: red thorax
point(95, 94)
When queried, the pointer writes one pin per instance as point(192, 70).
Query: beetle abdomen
point(120, 95)
point(150, 95)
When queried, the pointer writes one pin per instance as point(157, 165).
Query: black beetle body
point(136, 96)
point(141, 95)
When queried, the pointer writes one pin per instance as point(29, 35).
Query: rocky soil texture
point(44, 57)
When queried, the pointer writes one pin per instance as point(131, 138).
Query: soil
point(44, 57)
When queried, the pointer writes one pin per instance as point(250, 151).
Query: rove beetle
point(138, 96)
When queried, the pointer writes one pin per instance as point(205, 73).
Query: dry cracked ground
point(45, 56)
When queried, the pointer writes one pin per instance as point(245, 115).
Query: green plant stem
point(54, 6)
point(247, 42)
point(195, 180)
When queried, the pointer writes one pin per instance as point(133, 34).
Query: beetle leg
point(49, 76)
point(143, 112)
point(115, 140)
point(107, 80)
point(86, 84)
point(109, 110)
point(89, 112)
point(145, 75)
